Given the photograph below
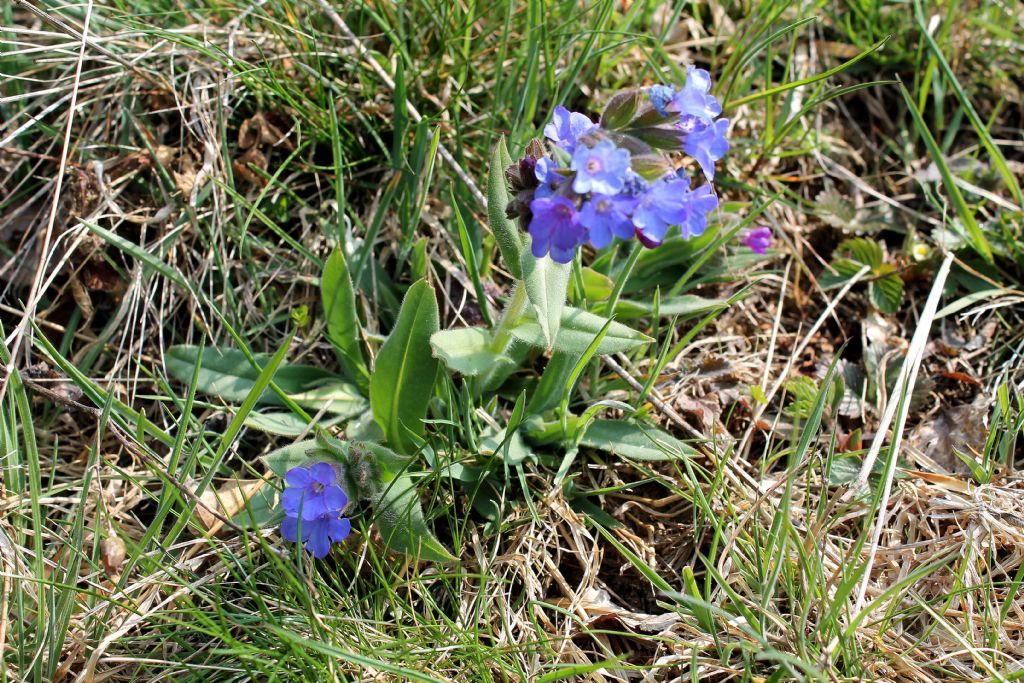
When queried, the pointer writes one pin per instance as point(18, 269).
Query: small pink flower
point(758, 239)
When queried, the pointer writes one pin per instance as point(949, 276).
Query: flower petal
point(297, 477)
point(335, 498)
point(319, 544)
point(313, 507)
point(323, 473)
point(291, 500)
point(339, 529)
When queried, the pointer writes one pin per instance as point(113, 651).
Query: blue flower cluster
point(313, 502)
point(618, 177)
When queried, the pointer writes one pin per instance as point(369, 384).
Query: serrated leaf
point(403, 379)
point(886, 293)
point(547, 283)
point(844, 270)
point(343, 326)
point(506, 232)
point(863, 250)
point(227, 374)
point(836, 210)
point(467, 351)
point(634, 440)
point(399, 518)
point(577, 329)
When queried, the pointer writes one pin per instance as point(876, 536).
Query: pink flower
point(758, 239)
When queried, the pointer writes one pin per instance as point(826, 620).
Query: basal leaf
point(343, 326)
point(547, 283)
point(292, 455)
point(403, 379)
point(506, 232)
point(577, 329)
point(284, 423)
point(399, 518)
point(683, 305)
point(227, 374)
point(466, 351)
point(634, 440)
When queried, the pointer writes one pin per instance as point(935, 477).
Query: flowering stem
point(514, 310)
point(627, 270)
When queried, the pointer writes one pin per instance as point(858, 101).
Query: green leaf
point(621, 109)
point(466, 351)
point(578, 329)
point(863, 250)
point(404, 376)
point(886, 292)
point(547, 283)
point(634, 440)
point(342, 319)
point(284, 424)
point(399, 518)
point(548, 392)
point(596, 286)
point(292, 455)
point(844, 270)
point(261, 509)
point(228, 374)
point(682, 305)
point(506, 232)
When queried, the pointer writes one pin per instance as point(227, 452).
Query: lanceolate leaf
point(506, 232)
point(577, 329)
point(547, 283)
point(403, 378)
point(399, 518)
point(227, 374)
point(342, 320)
point(634, 440)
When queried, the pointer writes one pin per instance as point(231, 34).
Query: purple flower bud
point(758, 239)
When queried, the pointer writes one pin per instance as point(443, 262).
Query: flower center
point(318, 487)
point(593, 165)
point(563, 211)
point(604, 206)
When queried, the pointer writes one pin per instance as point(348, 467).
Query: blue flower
point(547, 174)
point(606, 215)
point(601, 168)
point(312, 491)
point(319, 533)
point(758, 239)
point(660, 96)
point(555, 228)
point(669, 202)
point(699, 203)
point(707, 144)
point(566, 127)
point(660, 207)
point(694, 99)
point(635, 184)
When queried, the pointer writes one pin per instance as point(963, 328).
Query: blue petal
point(339, 529)
point(297, 477)
point(323, 473)
point(290, 529)
point(319, 544)
point(335, 498)
point(291, 500)
point(313, 507)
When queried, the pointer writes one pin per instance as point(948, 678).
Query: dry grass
point(179, 175)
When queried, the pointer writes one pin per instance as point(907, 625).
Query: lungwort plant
point(622, 181)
